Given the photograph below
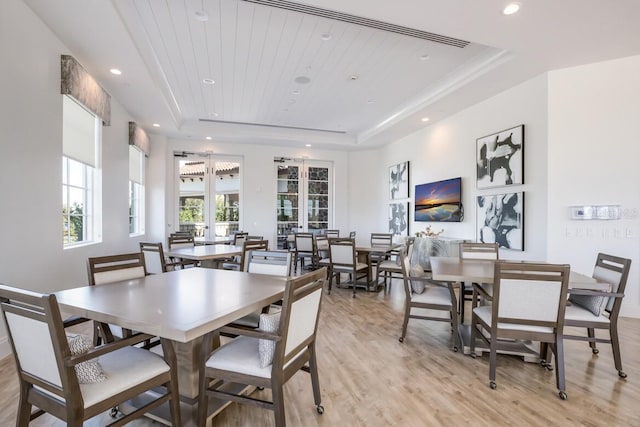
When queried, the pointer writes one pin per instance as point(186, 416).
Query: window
point(136, 190)
point(81, 132)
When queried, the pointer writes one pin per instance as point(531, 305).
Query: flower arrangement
point(429, 232)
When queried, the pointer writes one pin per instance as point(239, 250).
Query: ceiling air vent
point(352, 19)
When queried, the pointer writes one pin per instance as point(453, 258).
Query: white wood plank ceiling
point(357, 78)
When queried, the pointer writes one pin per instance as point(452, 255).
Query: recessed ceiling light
point(115, 71)
point(425, 119)
point(424, 57)
point(296, 92)
point(511, 8)
point(156, 125)
point(213, 114)
point(208, 138)
point(353, 77)
point(201, 15)
point(303, 80)
point(307, 145)
point(208, 81)
point(369, 101)
point(326, 36)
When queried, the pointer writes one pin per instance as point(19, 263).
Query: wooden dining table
point(208, 255)
point(452, 270)
point(181, 306)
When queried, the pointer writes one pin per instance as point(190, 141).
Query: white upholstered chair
point(154, 259)
point(304, 250)
point(342, 256)
point(528, 303)
point(47, 371)
point(108, 269)
point(594, 310)
point(421, 294)
point(268, 357)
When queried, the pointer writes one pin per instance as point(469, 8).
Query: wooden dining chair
point(392, 268)
point(592, 310)
point(332, 234)
point(270, 356)
point(421, 294)
point(154, 259)
point(342, 259)
point(60, 376)
point(108, 269)
point(238, 263)
point(272, 263)
point(181, 241)
point(528, 303)
point(380, 239)
point(480, 251)
point(304, 250)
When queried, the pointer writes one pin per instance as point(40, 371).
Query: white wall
point(594, 151)
point(31, 164)
point(447, 149)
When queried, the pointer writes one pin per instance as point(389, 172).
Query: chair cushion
point(433, 295)
point(390, 265)
point(269, 322)
point(576, 313)
point(484, 313)
point(239, 355)
point(593, 303)
point(124, 368)
point(90, 371)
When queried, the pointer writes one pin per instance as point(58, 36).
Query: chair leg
point(591, 333)
point(615, 347)
point(315, 381)
point(492, 362)
point(330, 281)
point(461, 304)
point(24, 407)
point(558, 348)
point(278, 404)
point(405, 322)
point(354, 278)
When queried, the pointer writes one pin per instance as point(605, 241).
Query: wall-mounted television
point(439, 201)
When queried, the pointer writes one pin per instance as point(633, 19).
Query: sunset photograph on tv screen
point(439, 201)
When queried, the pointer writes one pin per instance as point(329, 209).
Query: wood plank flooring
point(368, 378)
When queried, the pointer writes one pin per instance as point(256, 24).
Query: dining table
point(209, 255)
point(450, 271)
point(181, 306)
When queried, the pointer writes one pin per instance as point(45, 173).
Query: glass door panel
point(288, 196)
point(192, 204)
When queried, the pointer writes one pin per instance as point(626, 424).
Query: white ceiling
point(366, 86)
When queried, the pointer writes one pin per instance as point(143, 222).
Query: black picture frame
point(500, 158)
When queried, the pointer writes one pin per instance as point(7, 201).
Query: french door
point(304, 197)
point(209, 194)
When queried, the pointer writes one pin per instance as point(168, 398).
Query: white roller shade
point(136, 165)
point(78, 132)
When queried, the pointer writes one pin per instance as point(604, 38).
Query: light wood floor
point(368, 378)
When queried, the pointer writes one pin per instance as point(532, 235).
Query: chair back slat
point(484, 251)
point(176, 242)
point(381, 239)
point(252, 245)
point(239, 238)
point(333, 233)
point(304, 242)
point(268, 262)
point(114, 268)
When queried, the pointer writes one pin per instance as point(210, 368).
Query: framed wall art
point(399, 218)
point(500, 158)
point(399, 181)
point(500, 219)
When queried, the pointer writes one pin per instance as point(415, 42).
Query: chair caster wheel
point(455, 349)
point(595, 351)
point(563, 395)
point(320, 409)
point(401, 339)
point(260, 388)
point(622, 374)
point(473, 354)
point(492, 384)
point(113, 412)
point(549, 367)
